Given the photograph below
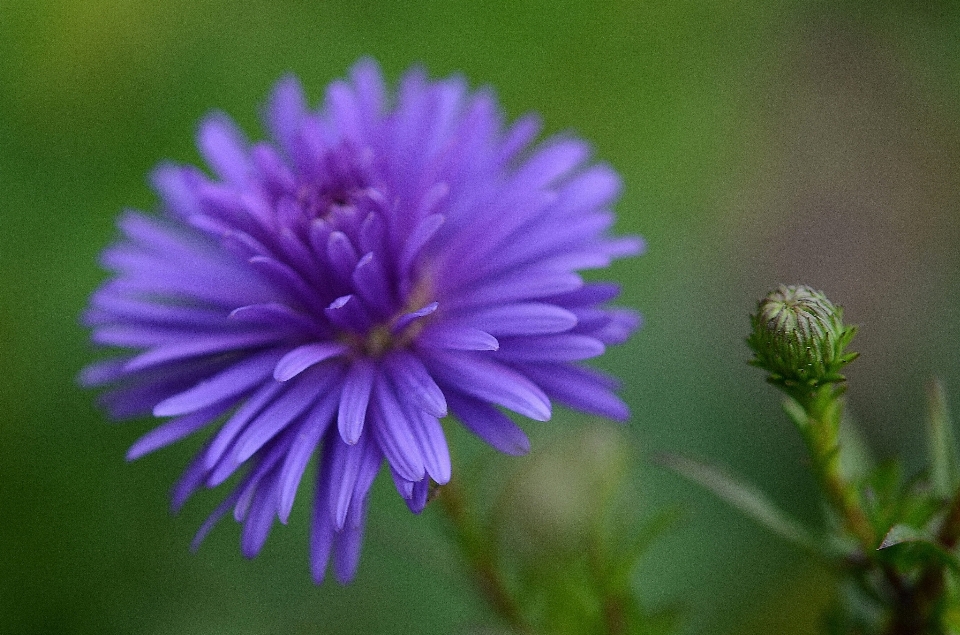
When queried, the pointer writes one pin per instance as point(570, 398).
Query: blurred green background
point(760, 142)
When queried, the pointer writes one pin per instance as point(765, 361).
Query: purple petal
point(176, 186)
point(199, 346)
point(433, 446)
point(529, 318)
point(414, 382)
point(190, 280)
point(286, 110)
point(303, 357)
point(342, 255)
point(597, 186)
point(538, 242)
point(103, 372)
point(372, 233)
point(272, 169)
point(321, 542)
point(229, 430)
point(414, 494)
point(146, 389)
point(348, 545)
point(550, 348)
point(371, 92)
point(259, 518)
point(421, 235)
point(407, 319)
point(625, 246)
point(348, 312)
point(371, 283)
point(394, 436)
point(224, 148)
point(619, 326)
point(457, 337)
point(174, 430)
point(418, 499)
point(277, 315)
point(285, 409)
point(117, 308)
point(550, 162)
point(265, 469)
point(298, 255)
point(189, 482)
point(346, 461)
point(580, 389)
point(369, 467)
point(137, 336)
point(527, 284)
point(342, 109)
point(354, 399)
point(593, 293)
point(487, 380)
point(489, 424)
point(315, 423)
point(154, 234)
point(286, 278)
point(212, 520)
point(229, 383)
point(404, 487)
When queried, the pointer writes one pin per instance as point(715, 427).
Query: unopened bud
point(799, 337)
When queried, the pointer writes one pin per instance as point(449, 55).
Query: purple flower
point(384, 261)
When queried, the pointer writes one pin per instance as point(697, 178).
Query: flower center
point(401, 330)
point(340, 185)
point(378, 341)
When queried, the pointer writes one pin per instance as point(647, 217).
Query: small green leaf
point(919, 547)
point(941, 441)
point(902, 533)
point(749, 500)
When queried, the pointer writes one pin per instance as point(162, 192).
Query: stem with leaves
point(817, 415)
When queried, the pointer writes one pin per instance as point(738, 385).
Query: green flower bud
point(799, 337)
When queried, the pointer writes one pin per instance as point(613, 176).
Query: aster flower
point(384, 261)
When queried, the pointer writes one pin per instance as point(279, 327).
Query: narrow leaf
point(745, 497)
point(941, 442)
point(902, 533)
point(924, 545)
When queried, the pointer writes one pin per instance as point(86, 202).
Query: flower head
point(799, 337)
point(385, 260)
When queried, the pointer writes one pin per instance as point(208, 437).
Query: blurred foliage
point(557, 548)
point(760, 142)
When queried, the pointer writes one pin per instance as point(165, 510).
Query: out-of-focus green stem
point(476, 549)
point(949, 535)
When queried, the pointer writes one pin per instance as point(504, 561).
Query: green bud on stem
point(799, 338)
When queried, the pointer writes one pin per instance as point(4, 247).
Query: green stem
point(949, 534)
point(613, 600)
point(821, 434)
point(480, 557)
